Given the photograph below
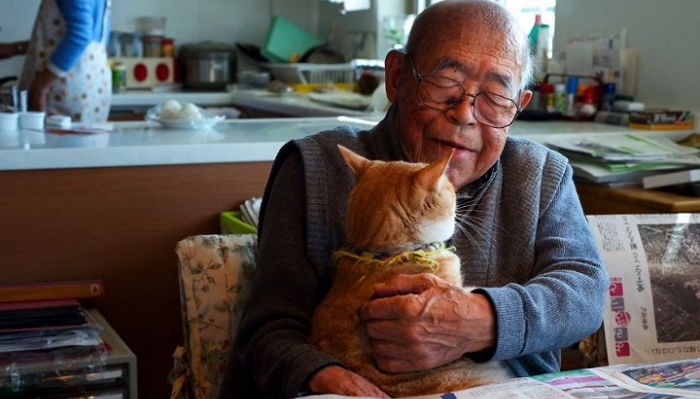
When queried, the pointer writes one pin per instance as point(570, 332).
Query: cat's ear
point(430, 176)
point(357, 163)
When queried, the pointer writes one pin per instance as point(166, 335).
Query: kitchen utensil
point(151, 25)
point(32, 120)
point(23, 100)
point(59, 121)
point(208, 65)
point(252, 51)
point(144, 73)
point(287, 42)
point(8, 120)
point(152, 45)
point(322, 55)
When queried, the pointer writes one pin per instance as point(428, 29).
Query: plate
point(181, 124)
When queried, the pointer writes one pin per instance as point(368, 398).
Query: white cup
point(8, 120)
point(32, 120)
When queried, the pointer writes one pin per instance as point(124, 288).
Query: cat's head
point(398, 206)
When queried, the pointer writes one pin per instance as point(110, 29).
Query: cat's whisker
point(474, 242)
point(464, 223)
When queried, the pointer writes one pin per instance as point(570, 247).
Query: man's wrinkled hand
point(419, 321)
point(340, 381)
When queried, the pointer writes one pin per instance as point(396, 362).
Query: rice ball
point(190, 112)
point(170, 109)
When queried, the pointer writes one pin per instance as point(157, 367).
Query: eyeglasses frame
point(420, 78)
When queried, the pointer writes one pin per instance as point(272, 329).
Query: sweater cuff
point(56, 70)
point(511, 329)
point(304, 366)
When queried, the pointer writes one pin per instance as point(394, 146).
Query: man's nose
point(463, 113)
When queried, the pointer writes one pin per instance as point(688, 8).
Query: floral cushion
point(215, 274)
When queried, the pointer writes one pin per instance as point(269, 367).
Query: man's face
point(484, 61)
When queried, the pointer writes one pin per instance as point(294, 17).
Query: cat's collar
point(422, 254)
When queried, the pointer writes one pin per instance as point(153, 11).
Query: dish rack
point(312, 73)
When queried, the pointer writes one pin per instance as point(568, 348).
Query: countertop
point(290, 103)
point(244, 140)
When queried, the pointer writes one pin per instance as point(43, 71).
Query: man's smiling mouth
point(451, 144)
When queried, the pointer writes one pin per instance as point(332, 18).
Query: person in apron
point(66, 70)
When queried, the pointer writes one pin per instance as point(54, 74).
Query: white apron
point(84, 93)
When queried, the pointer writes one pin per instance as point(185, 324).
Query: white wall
point(16, 22)
point(228, 21)
point(359, 34)
point(665, 34)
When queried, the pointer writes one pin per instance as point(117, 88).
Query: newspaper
point(627, 147)
point(678, 379)
point(652, 311)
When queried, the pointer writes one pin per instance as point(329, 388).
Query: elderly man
point(458, 86)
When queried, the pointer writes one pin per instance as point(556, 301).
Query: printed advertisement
point(652, 312)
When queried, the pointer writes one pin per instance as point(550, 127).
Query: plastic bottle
point(588, 108)
point(533, 36)
point(571, 90)
point(608, 96)
point(560, 97)
point(542, 50)
point(547, 92)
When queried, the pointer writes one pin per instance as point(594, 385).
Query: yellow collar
point(423, 255)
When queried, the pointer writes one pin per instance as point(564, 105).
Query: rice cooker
point(208, 65)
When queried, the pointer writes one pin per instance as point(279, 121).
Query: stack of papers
point(41, 325)
point(624, 158)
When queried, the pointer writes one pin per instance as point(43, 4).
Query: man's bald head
point(438, 23)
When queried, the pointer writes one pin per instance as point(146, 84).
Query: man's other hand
point(340, 381)
point(419, 321)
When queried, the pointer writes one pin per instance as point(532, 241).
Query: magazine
point(652, 310)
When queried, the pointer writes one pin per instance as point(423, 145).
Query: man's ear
point(393, 68)
point(525, 98)
point(356, 163)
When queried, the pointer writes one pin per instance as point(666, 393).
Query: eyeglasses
point(442, 93)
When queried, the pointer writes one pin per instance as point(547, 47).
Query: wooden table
point(597, 200)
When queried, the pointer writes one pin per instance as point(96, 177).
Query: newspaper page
point(652, 311)
point(672, 381)
point(519, 388)
point(589, 383)
point(680, 377)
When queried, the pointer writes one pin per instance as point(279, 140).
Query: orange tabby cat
point(394, 208)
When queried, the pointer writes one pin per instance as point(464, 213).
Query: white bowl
point(8, 120)
point(32, 120)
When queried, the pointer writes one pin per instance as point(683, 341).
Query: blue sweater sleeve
point(563, 302)
point(79, 17)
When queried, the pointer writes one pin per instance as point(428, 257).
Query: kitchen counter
point(292, 104)
point(147, 98)
point(146, 143)
point(243, 140)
